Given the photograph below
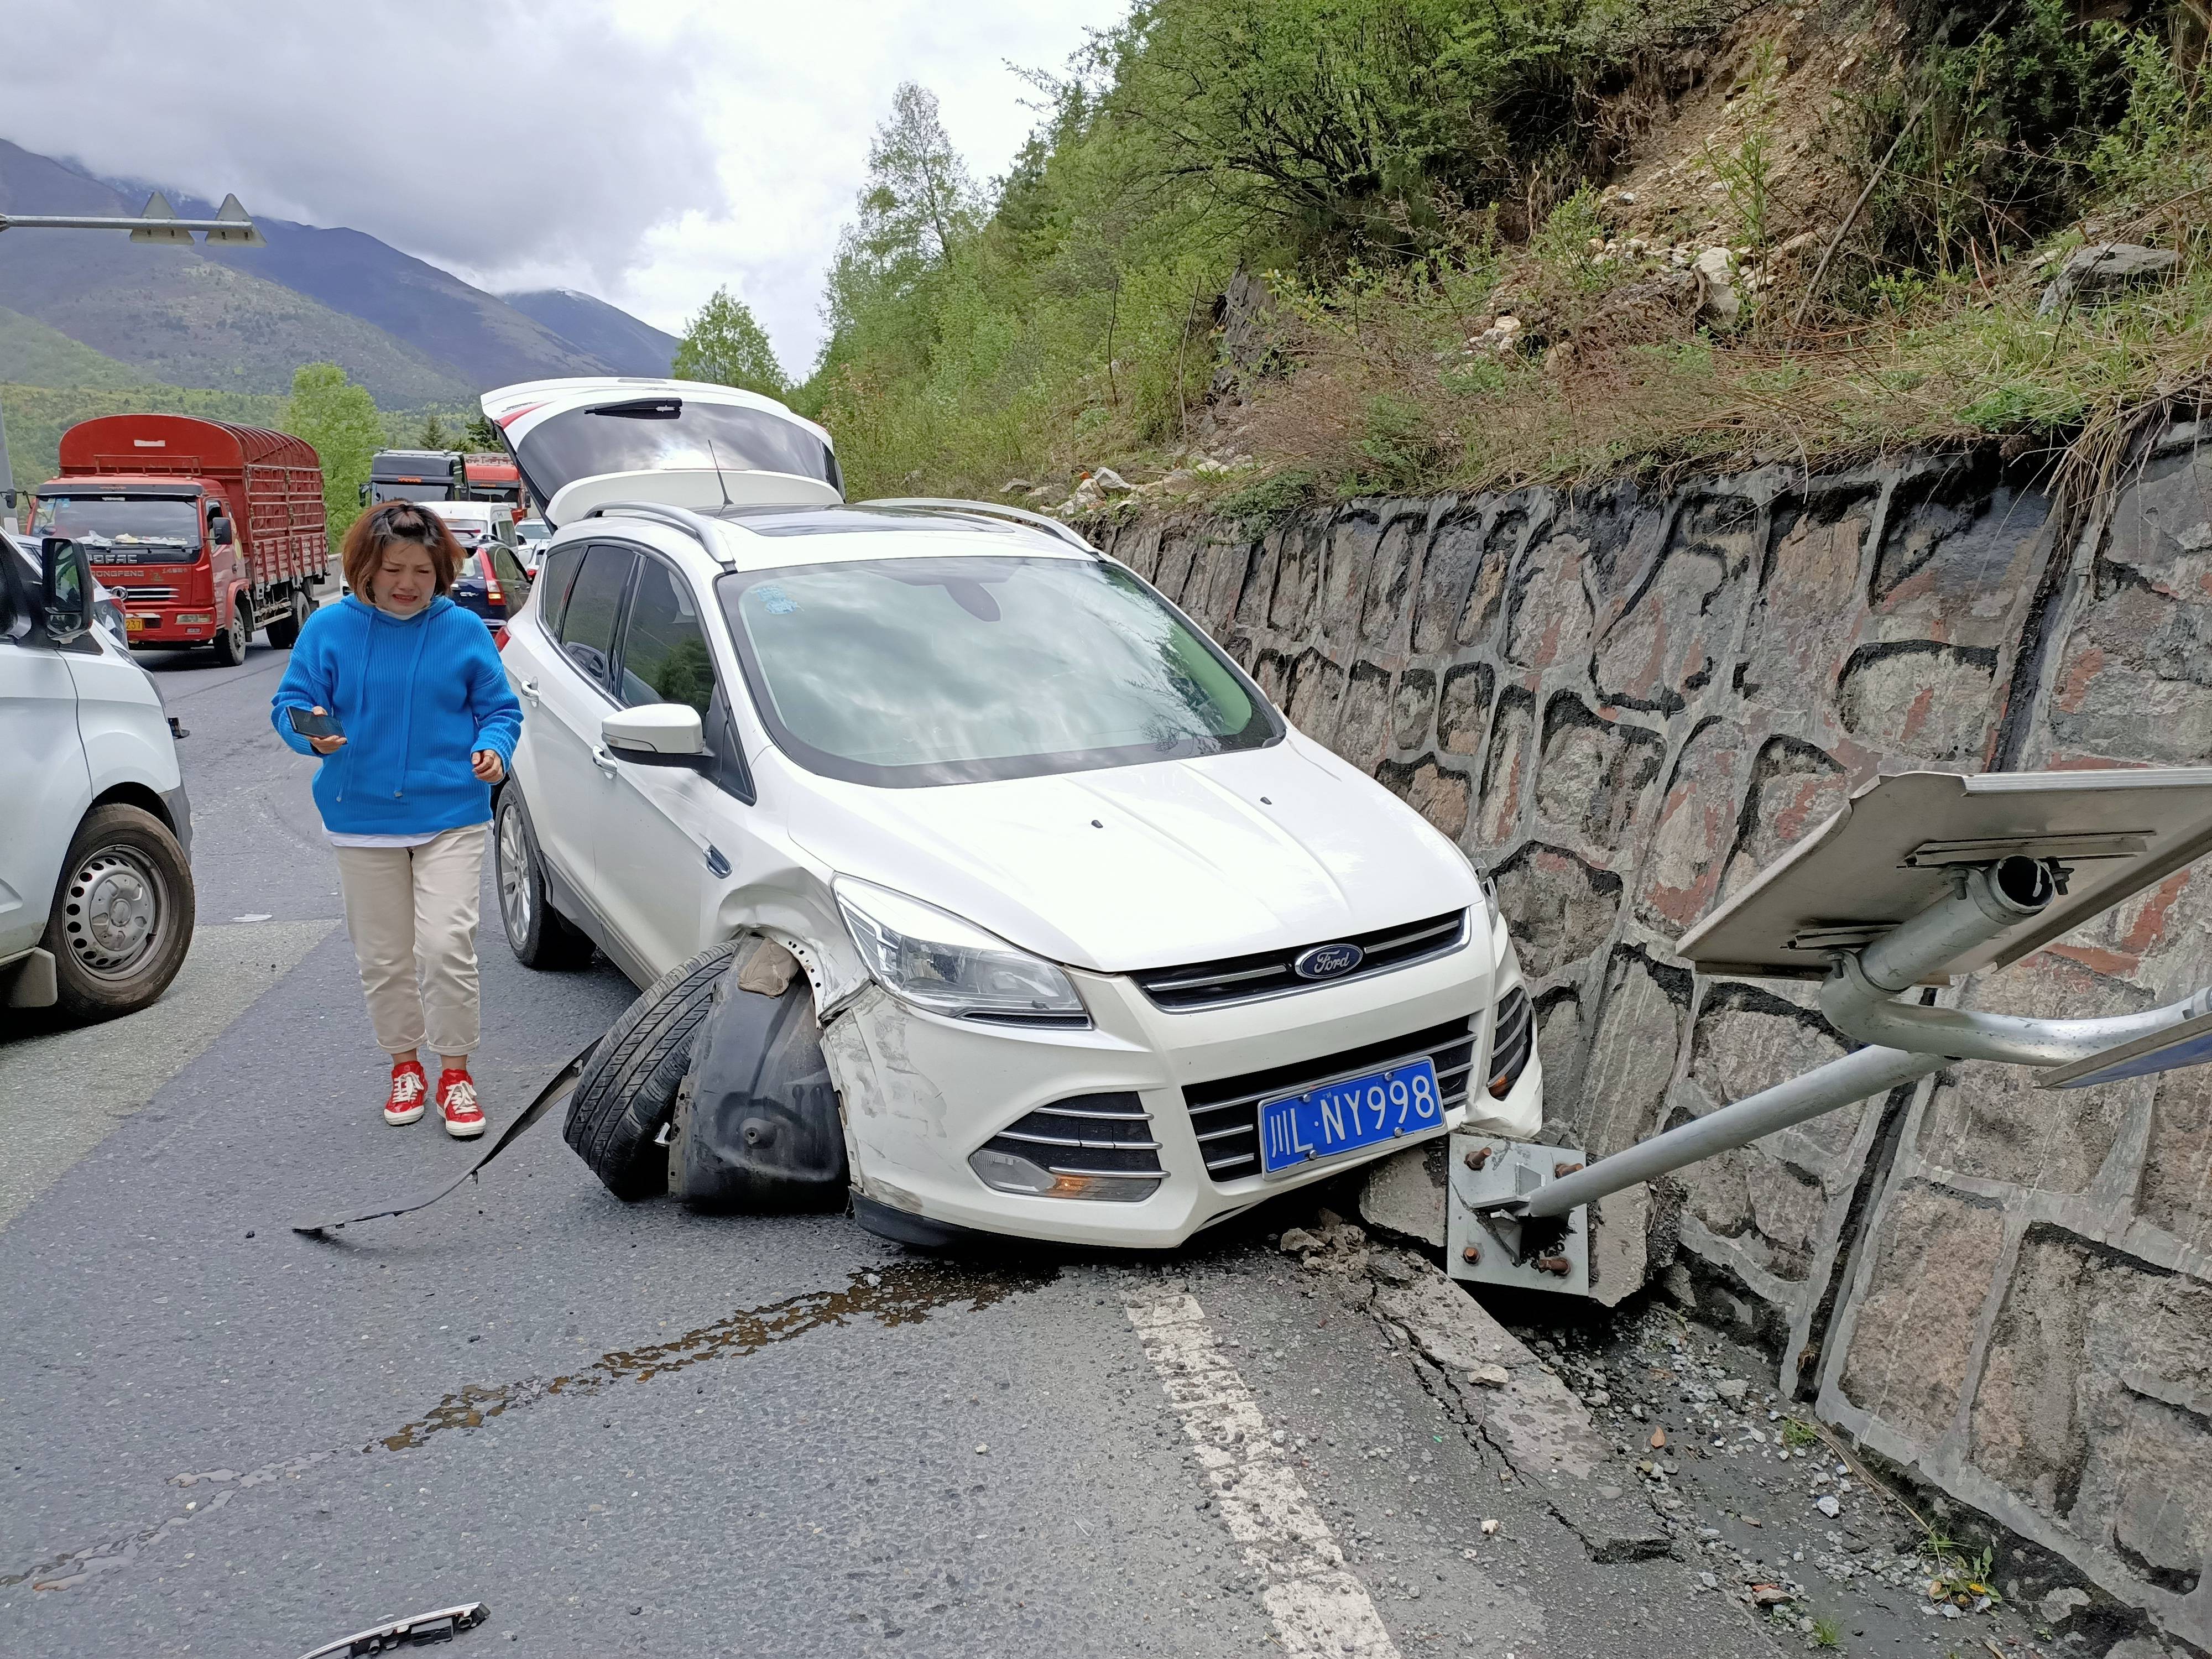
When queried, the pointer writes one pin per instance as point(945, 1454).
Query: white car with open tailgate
point(1045, 922)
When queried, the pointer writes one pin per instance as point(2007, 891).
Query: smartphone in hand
point(308, 724)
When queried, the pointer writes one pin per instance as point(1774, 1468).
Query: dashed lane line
point(1320, 1608)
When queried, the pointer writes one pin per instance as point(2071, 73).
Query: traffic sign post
point(1922, 877)
point(231, 227)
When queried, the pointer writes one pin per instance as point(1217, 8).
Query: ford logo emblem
point(1327, 961)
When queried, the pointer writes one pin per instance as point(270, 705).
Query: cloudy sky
point(645, 152)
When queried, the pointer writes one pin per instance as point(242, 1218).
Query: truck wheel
point(285, 632)
point(628, 1085)
point(122, 918)
point(230, 644)
point(540, 936)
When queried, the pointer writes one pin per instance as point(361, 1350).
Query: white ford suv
point(1102, 950)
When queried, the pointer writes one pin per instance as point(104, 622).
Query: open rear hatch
point(583, 443)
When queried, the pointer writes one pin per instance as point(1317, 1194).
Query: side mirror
point(66, 590)
point(223, 534)
point(364, 494)
point(656, 734)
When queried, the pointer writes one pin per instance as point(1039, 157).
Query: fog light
point(1004, 1172)
point(189, 618)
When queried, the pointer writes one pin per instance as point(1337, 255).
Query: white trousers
point(411, 913)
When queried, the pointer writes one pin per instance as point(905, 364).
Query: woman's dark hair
point(362, 551)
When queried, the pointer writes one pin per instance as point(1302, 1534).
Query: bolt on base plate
point(1496, 1247)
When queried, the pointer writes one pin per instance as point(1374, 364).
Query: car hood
point(1152, 865)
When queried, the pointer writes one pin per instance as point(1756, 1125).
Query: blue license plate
point(1356, 1111)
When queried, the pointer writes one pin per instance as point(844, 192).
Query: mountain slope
point(31, 353)
point(624, 342)
point(174, 314)
point(481, 336)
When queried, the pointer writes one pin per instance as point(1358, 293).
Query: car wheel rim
point(113, 912)
point(514, 875)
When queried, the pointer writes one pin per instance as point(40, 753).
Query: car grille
point(1269, 973)
point(1083, 1135)
point(1511, 1043)
point(1225, 1113)
point(146, 595)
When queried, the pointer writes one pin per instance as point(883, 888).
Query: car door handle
point(604, 760)
point(529, 690)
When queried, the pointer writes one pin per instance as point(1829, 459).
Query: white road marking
point(1319, 1605)
point(63, 1093)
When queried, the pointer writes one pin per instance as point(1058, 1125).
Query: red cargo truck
point(206, 530)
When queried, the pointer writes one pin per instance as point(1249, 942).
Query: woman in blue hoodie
point(426, 726)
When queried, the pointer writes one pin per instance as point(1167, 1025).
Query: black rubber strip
point(563, 1080)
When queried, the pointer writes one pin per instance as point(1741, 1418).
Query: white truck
point(96, 899)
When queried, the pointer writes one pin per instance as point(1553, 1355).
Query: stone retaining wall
point(1626, 703)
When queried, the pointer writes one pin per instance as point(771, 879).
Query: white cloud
point(644, 152)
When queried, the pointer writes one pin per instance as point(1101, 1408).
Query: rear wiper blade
point(440, 1626)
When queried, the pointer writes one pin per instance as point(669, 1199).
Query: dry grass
point(1388, 395)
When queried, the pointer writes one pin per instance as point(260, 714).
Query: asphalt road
point(630, 1430)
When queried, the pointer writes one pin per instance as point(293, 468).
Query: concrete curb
point(1499, 1387)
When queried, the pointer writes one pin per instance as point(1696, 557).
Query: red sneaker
point(404, 1103)
point(457, 1104)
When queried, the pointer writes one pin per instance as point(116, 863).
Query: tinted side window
point(587, 627)
point(558, 570)
point(509, 570)
point(665, 657)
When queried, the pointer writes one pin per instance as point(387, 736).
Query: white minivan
point(96, 900)
point(1101, 949)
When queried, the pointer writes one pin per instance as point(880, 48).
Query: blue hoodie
point(415, 700)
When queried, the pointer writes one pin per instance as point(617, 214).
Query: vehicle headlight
point(938, 961)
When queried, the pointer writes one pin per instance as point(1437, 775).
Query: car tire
point(628, 1087)
point(539, 935)
point(285, 632)
point(230, 644)
point(123, 915)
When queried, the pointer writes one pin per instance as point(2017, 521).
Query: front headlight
point(938, 961)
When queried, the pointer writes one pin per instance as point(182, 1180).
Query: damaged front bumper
point(1144, 1127)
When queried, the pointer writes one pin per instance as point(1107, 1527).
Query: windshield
point(130, 529)
point(902, 672)
point(665, 433)
point(408, 492)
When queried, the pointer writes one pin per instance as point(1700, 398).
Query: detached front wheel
point(628, 1088)
point(123, 917)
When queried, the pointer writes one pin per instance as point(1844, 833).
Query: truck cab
point(206, 530)
point(415, 475)
point(96, 899)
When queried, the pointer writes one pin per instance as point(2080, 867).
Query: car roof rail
point(696, 526)
point(994, 510)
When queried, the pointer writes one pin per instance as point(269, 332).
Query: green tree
point(916, 209)
point(480, 434)
point(433, 434)
point(724, 344)
point(341, 421)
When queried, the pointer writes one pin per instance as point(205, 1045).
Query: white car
point(96, 897)
point(530, 537)
point(475, 522)
point(1103, 951)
